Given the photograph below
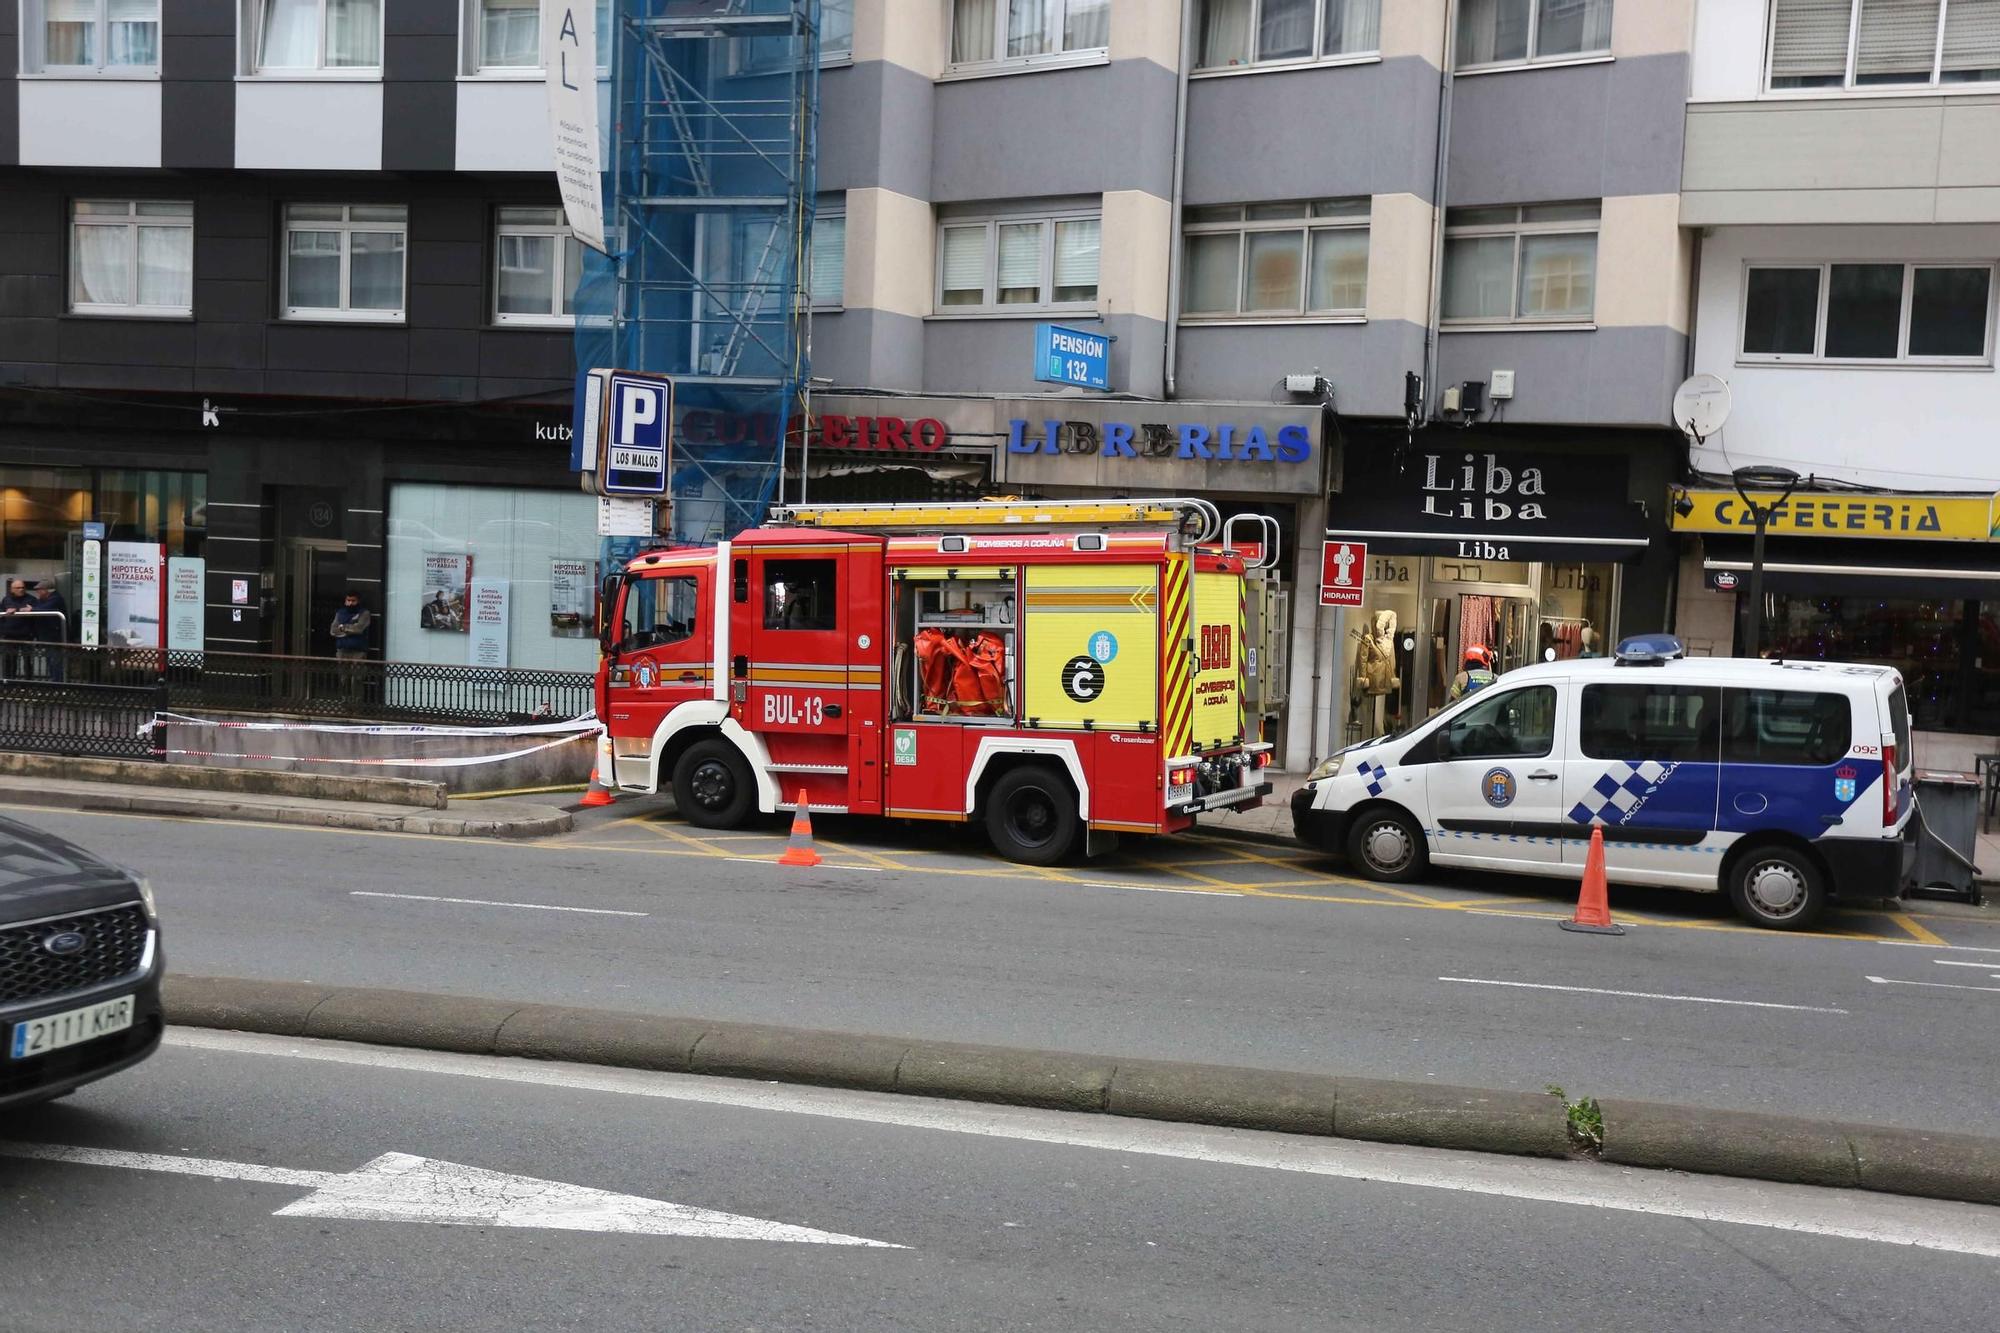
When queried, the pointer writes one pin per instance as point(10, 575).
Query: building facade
point(1281, 210)
point(1842, 186)
point(281, 286)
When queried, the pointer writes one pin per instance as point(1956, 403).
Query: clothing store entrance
point(1407, 644)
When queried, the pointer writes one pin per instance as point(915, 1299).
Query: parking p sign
point(639, 434)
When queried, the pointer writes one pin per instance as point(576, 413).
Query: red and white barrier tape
point(427, 761)
point(575, 725)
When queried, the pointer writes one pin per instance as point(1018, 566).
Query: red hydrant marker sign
point(1343, 573)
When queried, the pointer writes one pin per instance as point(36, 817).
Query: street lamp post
point(1746, 479)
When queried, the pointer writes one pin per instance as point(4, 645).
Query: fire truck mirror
point(741, 576)
point(607, 608)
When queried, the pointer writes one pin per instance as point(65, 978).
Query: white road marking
point(397, 1187)
point(484, 902)
point(1956, 962)
point(1851, 1214)
point(1919, 944)
point(1934, 985)
point(1648, 995)
point(1158, 888)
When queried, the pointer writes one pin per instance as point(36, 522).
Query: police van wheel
point(1031, 816)
point(712, 785)
point(1386, 844)
point(1777, 887)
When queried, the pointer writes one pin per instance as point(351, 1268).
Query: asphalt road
point(930, 938)
point(243, 1183)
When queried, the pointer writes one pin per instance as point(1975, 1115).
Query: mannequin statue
point(1375, 675)
point(1590, 648)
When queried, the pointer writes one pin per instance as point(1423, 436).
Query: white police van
point(1780, 783)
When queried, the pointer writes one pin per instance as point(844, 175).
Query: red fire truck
point(1061, 672)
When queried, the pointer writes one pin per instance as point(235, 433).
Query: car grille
point(114, 944)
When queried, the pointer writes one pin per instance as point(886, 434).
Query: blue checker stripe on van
point(1374, 775)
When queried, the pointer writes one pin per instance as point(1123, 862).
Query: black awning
point(1833, 567)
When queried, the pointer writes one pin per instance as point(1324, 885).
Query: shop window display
point(1408, 641)
point(533, 556)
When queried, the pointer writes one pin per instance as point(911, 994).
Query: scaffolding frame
point(709, 199)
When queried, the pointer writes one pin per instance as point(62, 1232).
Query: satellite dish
point(1701, 405)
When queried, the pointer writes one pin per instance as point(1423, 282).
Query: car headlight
point(1328, 768)
point(146, 896)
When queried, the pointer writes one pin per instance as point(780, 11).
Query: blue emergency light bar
point(1649, 650)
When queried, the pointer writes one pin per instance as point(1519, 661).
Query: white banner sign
point(619, 517)
point(489, 623)
point(569, 51)
point(572, 598)
point(132, 595)
point(92, 609)
point(185, 575)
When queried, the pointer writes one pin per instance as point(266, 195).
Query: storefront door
point(314, 579)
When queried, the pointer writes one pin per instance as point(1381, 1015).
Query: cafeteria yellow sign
point(1961, 518)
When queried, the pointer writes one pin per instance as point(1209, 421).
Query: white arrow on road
point(397, 1187)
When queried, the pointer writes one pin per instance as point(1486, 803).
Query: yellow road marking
point(1920, 933)
point(515, 791)
point(876, 857)
point(675, 835)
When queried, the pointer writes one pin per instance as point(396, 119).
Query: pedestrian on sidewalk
point(51, 627)
point(353, 629)
point(17, 630)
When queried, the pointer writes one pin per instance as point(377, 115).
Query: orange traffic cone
point(597, 793)
point(1593, 904)
point(799, 851)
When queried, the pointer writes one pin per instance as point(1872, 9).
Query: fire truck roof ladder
point(1195, 519)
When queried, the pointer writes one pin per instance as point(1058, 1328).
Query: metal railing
point(306, 686)
point(61, 717)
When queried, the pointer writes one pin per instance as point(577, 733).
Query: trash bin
point(1947, 835)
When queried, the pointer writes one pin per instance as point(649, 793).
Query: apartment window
point(298, 36)
point(132, 257)
point(1256, 32)
point(537, 265)
point(91, 36)
point(836, 30)
point(505, 36)
point(1520, 32)
point(1025, 263)
point(1882, 312)
point(345, 261)
point(1883, 43)
point(1024, 32)
point(828, 280)
point(1274, 260)
point(1536, 262)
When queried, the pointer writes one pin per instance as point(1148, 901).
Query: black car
point(79, 967)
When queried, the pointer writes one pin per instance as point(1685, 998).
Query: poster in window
point(572, 598)
point(447, 595)
point(185, 574)
point(133, 586)
point(489, 624)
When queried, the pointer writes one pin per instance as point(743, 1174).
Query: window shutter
point(1972, 37)
point(1020, 255)
point(1809, 41)
point(1076, 253)
point(965, 259)
point(829, 260)
point(1896, 41)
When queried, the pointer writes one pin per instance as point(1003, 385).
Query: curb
point(547, 819)
point(1960, 1167)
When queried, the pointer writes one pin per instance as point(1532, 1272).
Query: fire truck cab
point(1057, 671)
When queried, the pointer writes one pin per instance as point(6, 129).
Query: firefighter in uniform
point(1477, 675)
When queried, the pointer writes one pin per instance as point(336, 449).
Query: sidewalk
point(457, 818)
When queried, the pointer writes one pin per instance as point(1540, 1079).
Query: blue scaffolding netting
point(709, 191)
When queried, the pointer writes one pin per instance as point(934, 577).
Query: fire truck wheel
point(712, 785)
point(1031, 816)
